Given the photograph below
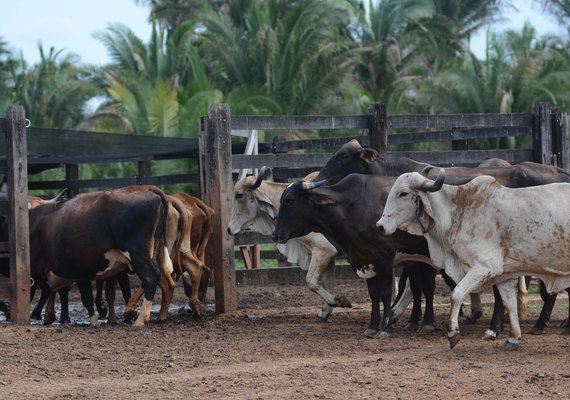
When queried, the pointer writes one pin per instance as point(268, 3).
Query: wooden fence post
point(145, 171)
point(217, 186)
point(71, 176)
point(560, 145)
point(378, 129)
point(18, 231)
point(541, 133)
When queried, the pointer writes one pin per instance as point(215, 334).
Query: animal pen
point(219, 156)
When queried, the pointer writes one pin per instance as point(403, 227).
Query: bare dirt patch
point(272, 348)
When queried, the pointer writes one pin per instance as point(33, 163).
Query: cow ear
point(267, 208)
point(369, 155)
point(424, 213)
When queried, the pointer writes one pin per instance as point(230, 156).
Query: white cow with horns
point(483, 233)
point(255, 207)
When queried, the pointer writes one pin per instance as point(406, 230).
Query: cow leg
point(102, 308)
point(88, 301)
point(149, 275)
point(49, 315)
point(415, 285)
point(507, 290)
point(548, 305)
point(110, 289)
point(380, 288)
point(498, 317)
point(565, 325)
point(472, 281)
point(320, 279)
point(428, 289)
point(64, 301)
point(131, 308)
point(44, 296)
point(5, 308)
point(194, 268)
point(476, 308)
point(204, 283)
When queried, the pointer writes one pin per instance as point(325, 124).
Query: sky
point(70, 24)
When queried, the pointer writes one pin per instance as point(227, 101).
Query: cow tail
point(522, 297)
point(184, 224)
point(160, 233)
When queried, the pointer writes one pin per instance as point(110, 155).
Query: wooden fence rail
point(546, 129)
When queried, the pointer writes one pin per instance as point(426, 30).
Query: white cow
point(483, 233)
point(255, 207)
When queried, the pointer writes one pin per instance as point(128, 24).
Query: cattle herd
point(482, 227)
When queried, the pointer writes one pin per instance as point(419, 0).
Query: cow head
point(296, 208)
point(349, 158)
point(251, 203)
point(408, 207)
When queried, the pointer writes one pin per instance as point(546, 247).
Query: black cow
point(69, 239)
point(344, 213)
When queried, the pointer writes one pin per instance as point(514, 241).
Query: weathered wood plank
point(456, 120)
point(241, 161)
point(298, 122)
point(217, 186)
point(18, 232)
point(458, 134)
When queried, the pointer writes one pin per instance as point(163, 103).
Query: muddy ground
point(273, 348)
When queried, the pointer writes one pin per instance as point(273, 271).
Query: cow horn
point(60, 196)
point(425, 172)
point(312, 184)
point(264, 173)
point(437, 184)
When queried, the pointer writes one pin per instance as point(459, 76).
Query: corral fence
point(545, 129)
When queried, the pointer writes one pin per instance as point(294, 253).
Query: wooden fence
point(14, 212)
point(545, 128)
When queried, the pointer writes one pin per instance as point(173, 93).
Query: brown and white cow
point(483, 234)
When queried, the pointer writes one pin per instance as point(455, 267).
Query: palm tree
point(155, 89)
point(297, 64)
point(55, 91)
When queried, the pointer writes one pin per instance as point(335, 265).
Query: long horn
point(312, 184)
point(59, 196)
point(437, 184)
point(264, 173)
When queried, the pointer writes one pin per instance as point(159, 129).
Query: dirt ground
point(273, 348)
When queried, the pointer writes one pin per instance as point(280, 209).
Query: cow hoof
point(36, 316)
point(198, 309)
point(565, 324)
point(489, 335)
point(536, 331)
point(370, 333)
point(49, 318)
point(473, 318)
point(411, 326)
point(130, 316)
point(383, 335)
point(65, 320)
point(320, 318)
point(453, 340)
point(102, 309)
point(511, 346)
point(426, 329)
point(344, 302)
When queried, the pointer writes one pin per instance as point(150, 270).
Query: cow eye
point(239, 196)
point(403, 194)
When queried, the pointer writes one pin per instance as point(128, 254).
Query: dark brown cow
point(69, 239)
